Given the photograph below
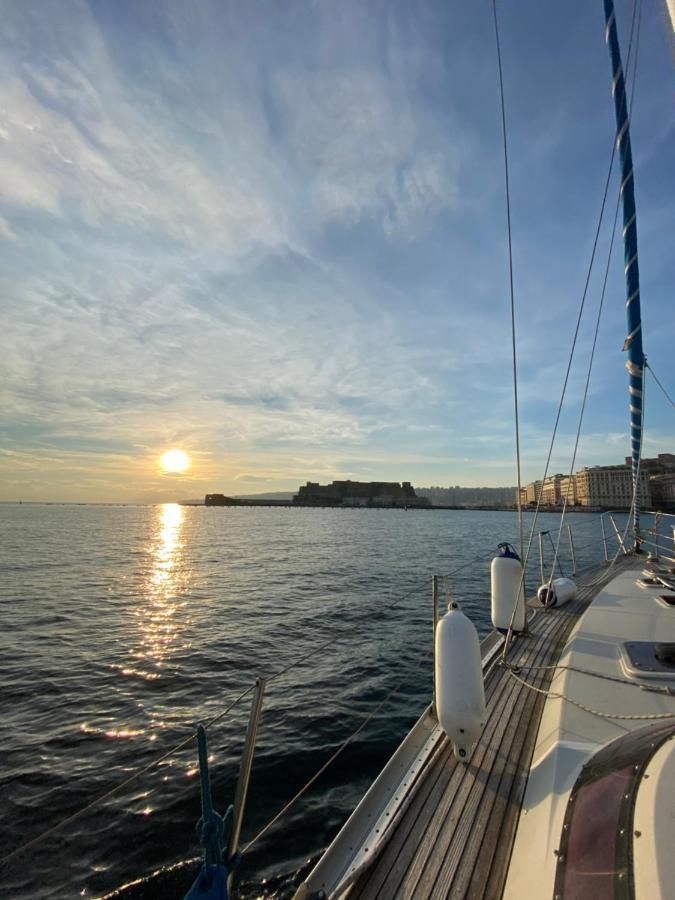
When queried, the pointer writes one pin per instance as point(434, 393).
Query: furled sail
point(633, 343)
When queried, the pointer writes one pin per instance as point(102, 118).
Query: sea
point(124, 626)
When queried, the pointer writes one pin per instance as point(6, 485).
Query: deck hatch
point(646, 657)
point(649, 582)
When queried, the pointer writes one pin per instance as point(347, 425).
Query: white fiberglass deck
point(568, 736)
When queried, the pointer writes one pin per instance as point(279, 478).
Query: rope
point(665, 392)
point(586, 388)
point(331, 641)
point(554, 695)
point(323, 768)
point(211, 826)
point(510, 243)
point(569, 367)
point(602, 675)
point(555, 558)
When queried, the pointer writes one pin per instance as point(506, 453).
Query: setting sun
point(174, 460)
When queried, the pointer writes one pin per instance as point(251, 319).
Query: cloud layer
point(275, 237)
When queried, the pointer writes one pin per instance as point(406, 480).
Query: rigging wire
point(572, 350)
point(512, 298)
point(665, 392)
point(585, 396)
point(636, 483)
point(303, 790)
point(637, 10)
point(555, 556)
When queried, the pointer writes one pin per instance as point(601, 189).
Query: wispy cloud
point(276, 238)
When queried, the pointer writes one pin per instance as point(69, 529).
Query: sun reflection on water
point(159, 620)
point(160, 611)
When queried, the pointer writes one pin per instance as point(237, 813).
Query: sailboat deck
point(456, 836)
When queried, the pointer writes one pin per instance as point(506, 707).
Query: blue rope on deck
point(211, 882)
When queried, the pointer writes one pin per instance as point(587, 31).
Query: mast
point(633, 343)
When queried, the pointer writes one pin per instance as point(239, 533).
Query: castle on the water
point(388, 494)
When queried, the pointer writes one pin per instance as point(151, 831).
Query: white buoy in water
point(459, 692)
point(558, 593)
point(507, 582)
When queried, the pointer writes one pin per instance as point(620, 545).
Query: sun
point(174, 461)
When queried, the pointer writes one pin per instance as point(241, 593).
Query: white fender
point(460, 696)
point(561, 591)
point(507, 582)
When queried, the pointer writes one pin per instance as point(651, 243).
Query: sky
point(273, 235)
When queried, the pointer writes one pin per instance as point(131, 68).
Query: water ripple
point(124, 626)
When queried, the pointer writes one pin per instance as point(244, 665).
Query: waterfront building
point(610, 486)
point(656, 465)
point(553, 490)
point(550, 490)
point(663, 491)
point(568, 488)
point(532, 492)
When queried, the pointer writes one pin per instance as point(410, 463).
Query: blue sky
point(273, 235)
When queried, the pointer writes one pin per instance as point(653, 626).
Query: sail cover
point(633, 343)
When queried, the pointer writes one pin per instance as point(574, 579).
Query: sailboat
point(565, 788)
point(544, 767)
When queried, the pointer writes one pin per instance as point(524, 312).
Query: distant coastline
point(287, 504)
point(349, 494)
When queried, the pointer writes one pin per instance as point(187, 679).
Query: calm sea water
point(124, 626)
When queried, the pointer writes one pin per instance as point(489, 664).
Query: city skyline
point(274, 239)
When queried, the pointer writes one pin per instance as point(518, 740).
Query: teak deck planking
point(456, 836)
